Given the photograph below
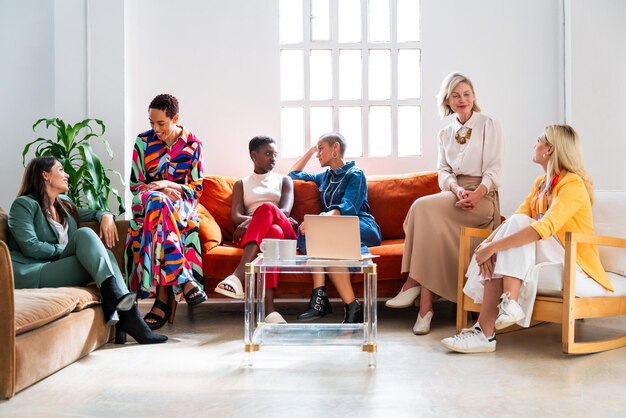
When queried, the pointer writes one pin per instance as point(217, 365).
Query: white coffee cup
point(270, 249)
point(287, 249)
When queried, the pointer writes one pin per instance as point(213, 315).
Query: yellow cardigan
point(570, 211)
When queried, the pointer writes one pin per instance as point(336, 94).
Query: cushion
point(306, 199)
point(210, 232)
point(216, 197)
point(390, 198)
point(613, 258)
point(37, 307)
point(85, 296)
point(4, 225)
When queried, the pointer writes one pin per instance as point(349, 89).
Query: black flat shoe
point(159, 321)
point(319, 305)
point(198, 298)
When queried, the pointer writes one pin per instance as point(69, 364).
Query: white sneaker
point(422, 325)
point(405, 298)
point(470, 340)
point(510, 312)
point(275, 318)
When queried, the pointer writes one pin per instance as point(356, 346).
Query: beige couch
point(44, 330)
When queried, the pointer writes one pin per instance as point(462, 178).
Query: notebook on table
point(333, 237)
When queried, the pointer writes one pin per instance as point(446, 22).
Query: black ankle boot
point(132, 323)
point(114, 299)
point(319, 305)
point(353, 313)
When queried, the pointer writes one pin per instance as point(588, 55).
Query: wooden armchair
point(565, 309)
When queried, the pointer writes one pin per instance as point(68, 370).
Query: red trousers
point(268, 222)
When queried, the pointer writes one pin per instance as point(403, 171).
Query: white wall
point(221, 60)
point(26, 83)
point(597, 102)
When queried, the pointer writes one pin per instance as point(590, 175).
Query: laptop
point(333, 237)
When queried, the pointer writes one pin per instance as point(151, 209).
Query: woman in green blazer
point(49, 250)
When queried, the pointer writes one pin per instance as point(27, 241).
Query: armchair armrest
point(7, 325)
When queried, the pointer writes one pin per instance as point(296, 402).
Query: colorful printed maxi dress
point(163, 245)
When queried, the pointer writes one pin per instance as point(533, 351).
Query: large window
point(351, 66)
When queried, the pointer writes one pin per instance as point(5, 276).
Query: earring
point(544, 155)
point(334, 154)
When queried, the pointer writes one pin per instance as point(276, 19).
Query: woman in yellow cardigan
point(501, 275)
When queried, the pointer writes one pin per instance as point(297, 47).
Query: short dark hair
point(332, 137)
point(166, 103)
point(258, 141)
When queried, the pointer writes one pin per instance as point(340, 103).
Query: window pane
point(349, 74)
point(408, 20)
point(380, 74)
point(409, 141)
point(350, 128)
point(320, 20)
point(321, 122)
point(290, 16)
point(380, 131)
point(321, 75)
point(349, 25)
point(409, 74)
point(379, 21)
point(292, 131)
point(291, 75)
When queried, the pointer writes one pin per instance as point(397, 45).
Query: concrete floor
point(199, 373)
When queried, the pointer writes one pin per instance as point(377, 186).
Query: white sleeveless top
point(261, 188)
point(61, 230)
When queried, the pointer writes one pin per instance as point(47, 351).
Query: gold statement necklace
point(463, 135)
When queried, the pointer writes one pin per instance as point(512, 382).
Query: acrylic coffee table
point(258, 333)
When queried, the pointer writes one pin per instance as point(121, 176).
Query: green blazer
point(34, 241)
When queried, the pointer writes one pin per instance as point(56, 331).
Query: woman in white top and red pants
point(260, 209)
point(469, 164)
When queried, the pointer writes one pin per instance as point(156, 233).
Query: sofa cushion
point(390, 198)
point(37, 307)
point(4, 225)
point(210, 232)
point(85, 296)
point(216, 197)
point(306, 198)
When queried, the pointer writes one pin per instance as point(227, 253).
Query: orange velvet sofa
point(390, 198)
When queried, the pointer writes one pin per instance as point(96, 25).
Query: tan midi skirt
point(432, 228)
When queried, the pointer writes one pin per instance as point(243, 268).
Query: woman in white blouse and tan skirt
point(469, 164)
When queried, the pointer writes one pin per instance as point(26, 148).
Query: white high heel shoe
point(422, 325)
point(405, 298)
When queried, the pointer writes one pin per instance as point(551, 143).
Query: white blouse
point(61, 230)
point(261, 188)
point(481, 155)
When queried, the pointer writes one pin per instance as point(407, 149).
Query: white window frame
point(365, 46)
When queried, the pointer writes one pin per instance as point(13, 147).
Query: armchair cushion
point(613, 258)
point(216, 197)
point(210, 232)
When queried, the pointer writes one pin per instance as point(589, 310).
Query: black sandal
point(159, 321)
point(196, 300)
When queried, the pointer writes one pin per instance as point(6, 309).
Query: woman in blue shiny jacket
point(343, 191)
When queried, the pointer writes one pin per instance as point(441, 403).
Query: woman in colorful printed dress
point(343, 191)
point(261, 206)
point(502, 266)
point(163, 247)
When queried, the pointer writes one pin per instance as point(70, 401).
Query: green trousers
point(85, 258)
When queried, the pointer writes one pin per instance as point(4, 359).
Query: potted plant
point(89, 183)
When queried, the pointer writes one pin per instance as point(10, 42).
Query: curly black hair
point(166, 103)
point(258, 141)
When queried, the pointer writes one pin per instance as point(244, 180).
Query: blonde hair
point(567, 155)
point(449, 83)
